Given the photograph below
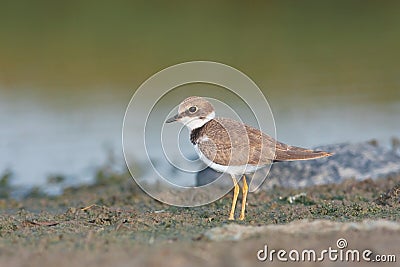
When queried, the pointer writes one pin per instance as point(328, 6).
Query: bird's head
point(194, 112)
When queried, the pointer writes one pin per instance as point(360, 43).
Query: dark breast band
point(196, 133)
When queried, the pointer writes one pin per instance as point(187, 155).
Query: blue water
point(74, 132)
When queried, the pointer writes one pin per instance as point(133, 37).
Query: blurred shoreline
point(364, 160)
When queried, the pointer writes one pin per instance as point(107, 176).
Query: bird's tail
point(284, 152)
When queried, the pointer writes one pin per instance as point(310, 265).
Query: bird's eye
point(193, 109)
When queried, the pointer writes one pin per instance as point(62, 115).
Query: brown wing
point(234, 149)
point(227, 143)
point(285, 152)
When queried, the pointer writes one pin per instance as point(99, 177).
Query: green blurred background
point(330, 70)
point(282, 43)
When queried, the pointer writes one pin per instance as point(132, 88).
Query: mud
point(114, 223)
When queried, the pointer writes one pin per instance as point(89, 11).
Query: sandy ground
point(114, 223)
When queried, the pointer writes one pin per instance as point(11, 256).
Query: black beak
point(172, 119)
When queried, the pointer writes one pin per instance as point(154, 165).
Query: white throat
point(193, 123)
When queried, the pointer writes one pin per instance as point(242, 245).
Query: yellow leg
point(245, 189)
point(235, 196)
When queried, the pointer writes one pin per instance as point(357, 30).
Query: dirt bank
point(114, 222)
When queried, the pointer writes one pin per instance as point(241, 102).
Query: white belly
point(236, 170)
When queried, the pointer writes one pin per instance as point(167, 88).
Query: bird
point(232, 147)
